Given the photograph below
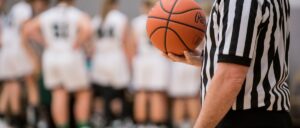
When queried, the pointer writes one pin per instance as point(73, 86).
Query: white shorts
point(110, 69)
point(185, 81)
point(65, 70)
point(151, 73)
point(14, 63)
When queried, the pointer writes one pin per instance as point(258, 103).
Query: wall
point(295, 38)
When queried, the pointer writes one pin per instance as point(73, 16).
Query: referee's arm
point(224, 88)
point(234, 58)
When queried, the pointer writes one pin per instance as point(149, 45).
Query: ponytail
point(149, 3)
point(107, 6)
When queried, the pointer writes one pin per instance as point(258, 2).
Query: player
point(35, 50)
point(109, 64)
point(150, 75)
point(15, 61)
point(63, 60)
point(184, 89)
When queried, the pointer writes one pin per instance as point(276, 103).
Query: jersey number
point(106, 32)
point(61, 30)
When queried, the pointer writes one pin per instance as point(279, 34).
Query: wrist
point(198, 62)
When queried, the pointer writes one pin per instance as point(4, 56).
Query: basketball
point(175, 26)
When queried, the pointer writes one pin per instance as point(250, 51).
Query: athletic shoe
point(128, 123)
point(3, 124)
point(117, 124)
point(98, 121)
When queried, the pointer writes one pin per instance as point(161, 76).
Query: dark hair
point(149, 3)
point(107, 6)
point(44, 1)
point(68, 1)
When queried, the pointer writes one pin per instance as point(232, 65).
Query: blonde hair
point(107, 6)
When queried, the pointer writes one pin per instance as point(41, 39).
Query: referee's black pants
point(256, 118)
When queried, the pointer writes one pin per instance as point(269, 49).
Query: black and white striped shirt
point(253, 33)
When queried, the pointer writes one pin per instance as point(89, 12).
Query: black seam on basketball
point(180, 39)
point(155, 31)
point(153, 17)
point(167, 26)
point(172, 31)
point(175, 13)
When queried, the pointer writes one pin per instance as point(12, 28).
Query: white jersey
point(109, 33)
point(60, 26)
point(62, 64)
point(19, 13)
point(14, 60)
point(145, 46)
point(109, 66)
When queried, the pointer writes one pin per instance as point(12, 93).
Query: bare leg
point(158, 107)
point(15, 97)
point(178, 111)
point(97, 119)
point(60, 102)
point(4, 98)
point(98, 105)
point(116, 107)
point(82, 106)
point(140, 107)
point(33, 101)
point(193, 108)
point(14, 93)
point(33, 94)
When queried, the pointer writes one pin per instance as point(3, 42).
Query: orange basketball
point(175, 26)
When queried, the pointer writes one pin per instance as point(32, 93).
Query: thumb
point(187, 56)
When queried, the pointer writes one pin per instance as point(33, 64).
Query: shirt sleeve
point(239, 22)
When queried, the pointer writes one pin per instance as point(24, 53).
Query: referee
point(245, 65)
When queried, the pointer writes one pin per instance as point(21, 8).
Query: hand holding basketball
point(191, 58)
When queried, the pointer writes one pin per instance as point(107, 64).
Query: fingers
point(166, 56)
point(172, 57)
point(196, 53)
point(188, 56)
point(176, 58)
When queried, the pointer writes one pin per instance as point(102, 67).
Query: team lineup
point(225, 69)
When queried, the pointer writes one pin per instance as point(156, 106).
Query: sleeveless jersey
point(60, 26)
point(12, 23)
point(139, 29)
point(109, 33)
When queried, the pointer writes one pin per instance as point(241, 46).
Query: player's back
point(60, 27)
point(109, 32)
point(139, 29)
point(108, 38)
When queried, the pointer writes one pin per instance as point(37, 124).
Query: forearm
point(32, 31)
point(82, 38)
point(26, 46)
point(85, 32)
point(220, 97)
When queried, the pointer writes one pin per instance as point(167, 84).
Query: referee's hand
point(191, 58)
